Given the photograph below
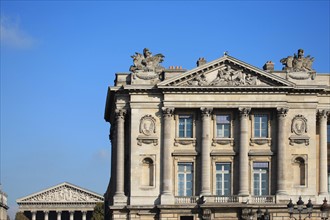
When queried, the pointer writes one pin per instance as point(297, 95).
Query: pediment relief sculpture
point(225, 76)
point(299, 67)
point(146, 66)
point(63, 193)
point(299, 130)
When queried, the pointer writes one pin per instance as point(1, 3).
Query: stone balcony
point(268, 199)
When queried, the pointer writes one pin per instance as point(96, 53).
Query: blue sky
point(58, 57)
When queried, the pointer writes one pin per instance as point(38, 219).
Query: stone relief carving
point(147, 129)
point(299, 128)
point(63, 194)
point(226, 77)
point(146, 66)
point(147, 125)
point(299, 67)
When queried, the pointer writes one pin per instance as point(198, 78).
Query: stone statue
point(298, 63)
point(147, 62)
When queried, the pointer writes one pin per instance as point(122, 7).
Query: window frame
point(223, 177)
point(223, 140)
point(186, 141)
point(261, 140)
point(185, 176)
point(260, 177)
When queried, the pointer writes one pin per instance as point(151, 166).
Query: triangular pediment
point(62, 193)
point(226, 72)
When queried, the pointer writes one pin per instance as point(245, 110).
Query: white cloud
point(12, 35)
point(103, 155)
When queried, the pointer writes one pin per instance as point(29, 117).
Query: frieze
point(299, 130)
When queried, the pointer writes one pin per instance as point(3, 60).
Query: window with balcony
point(260, 178)
point(260, 126)
point(185, 126)
point(185, 179)
point(223, 179)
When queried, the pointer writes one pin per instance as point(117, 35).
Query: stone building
point(219, 141)
point(3, 206)
point(64, 201)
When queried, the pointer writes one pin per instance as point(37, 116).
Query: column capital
point(46, 211)
point(206, 112)
point(59, 212)
point(323, 113)
point(244, 111)
point(120, 113)
point(282, 111)
point(167, 112)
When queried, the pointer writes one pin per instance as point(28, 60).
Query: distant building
point(218, 141)
point(61, 202)
point(3, 206)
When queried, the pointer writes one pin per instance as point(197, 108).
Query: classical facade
point(3, 206)
point(219, 141)
point(61, 202)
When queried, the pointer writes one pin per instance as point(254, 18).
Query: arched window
point(299, 171)
point(147, 172)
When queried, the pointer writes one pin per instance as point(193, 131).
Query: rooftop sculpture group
point(298, 63)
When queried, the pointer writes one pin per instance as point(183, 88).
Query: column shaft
point(84, 215)
point(323, 153)
point(120, 115)
point(34, 215)
point(243, 153)
point(46, 215)
point(281, 154)
point(206, 159)
point(59, 215)
point(71, 215)
point(167, 168)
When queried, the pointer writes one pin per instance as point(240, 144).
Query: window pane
point(223, 126)
point(223, 178)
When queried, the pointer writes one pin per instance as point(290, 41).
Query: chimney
point(201, 61)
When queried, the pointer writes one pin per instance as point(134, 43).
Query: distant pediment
point(226, 72)
point(63, 193)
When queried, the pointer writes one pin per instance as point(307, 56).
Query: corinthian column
point(59, 215)
point(244, 153)
point(281, 154)
point(71, 215)
point(323, 115)
point(167, 169)
point(119, 197)
point(206, 160)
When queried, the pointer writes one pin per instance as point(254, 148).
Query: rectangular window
point(260, 126)
point(185, 179)
point(223, 126)
point(185, 126)
point(223, 179)
point(260, 178)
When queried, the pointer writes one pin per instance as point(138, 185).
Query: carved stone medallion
point(299, 128)
point(147, 130)
point(147, 125)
